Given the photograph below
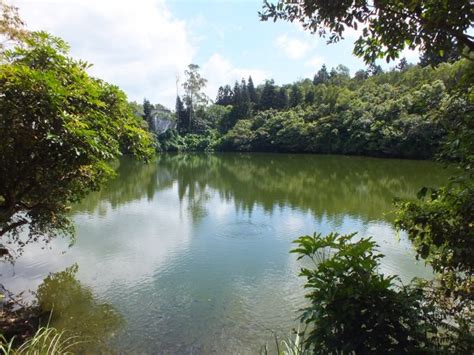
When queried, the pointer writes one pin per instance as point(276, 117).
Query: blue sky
point(144, 46)
point(233, 30)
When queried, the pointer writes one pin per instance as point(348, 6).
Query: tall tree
point(237, 99)
point(282, 99)
point(220, 95)
point(402, 65)
point(59, 130)
point(309, 97)
point(193, 86)
point(269, 95)
point(224, 96)
point(241, 106)
point(181, 117)
point(246, 104)
point(361, 75)
point(252, 92)
point(322, 76)
point(343, 70)
point(296, 95)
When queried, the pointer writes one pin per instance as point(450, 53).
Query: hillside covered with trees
point(399, 113)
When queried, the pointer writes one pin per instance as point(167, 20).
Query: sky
point(144, 46)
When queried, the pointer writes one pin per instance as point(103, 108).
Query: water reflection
point(72, 306)
point(193, 249)
point(323, 185)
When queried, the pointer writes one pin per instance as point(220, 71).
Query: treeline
point(398, 113)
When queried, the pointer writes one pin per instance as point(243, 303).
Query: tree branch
point(13, 226)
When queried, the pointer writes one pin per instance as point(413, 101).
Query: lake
point(193, 249)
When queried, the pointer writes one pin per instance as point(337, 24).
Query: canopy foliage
point(59, 129)
point(387, 26)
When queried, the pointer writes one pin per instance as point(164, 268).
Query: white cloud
point(220, 71)
point(293, 47)
point(139, 48)
point(314, 62)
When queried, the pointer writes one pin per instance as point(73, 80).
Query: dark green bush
point(352, 307)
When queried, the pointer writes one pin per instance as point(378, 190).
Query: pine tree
point(241, 107)
point(268, 98)
point(282, 99)
point(322, 76)
point(252, 92)
point(309, 97)
point(403, 65)
point(245, 110)
point(296, 96)
point(220, 96)
point(228, 95)
point(237, 95)
point(225, 96)
point(181, 117)
point(234, 114)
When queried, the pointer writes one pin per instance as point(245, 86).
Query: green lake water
point(193, 249)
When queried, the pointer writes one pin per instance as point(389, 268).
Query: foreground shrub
point(352, 307)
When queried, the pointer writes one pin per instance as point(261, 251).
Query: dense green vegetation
point(440, 224)
point(353, 308)
point(59, 129)
point(400, 113)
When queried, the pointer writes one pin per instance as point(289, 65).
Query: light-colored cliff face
point(160, 122)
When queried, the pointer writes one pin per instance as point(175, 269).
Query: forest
point(400, 113)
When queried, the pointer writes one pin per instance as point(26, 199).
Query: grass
point(289, 346)
point(46, 341)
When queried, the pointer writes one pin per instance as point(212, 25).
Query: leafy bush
point(440, 224)
point(441, 230)
point(352, 307)
point(171, 141)
point(239, 138)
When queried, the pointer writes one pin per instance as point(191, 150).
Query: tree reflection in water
point(323, 185)
point(72, 307)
